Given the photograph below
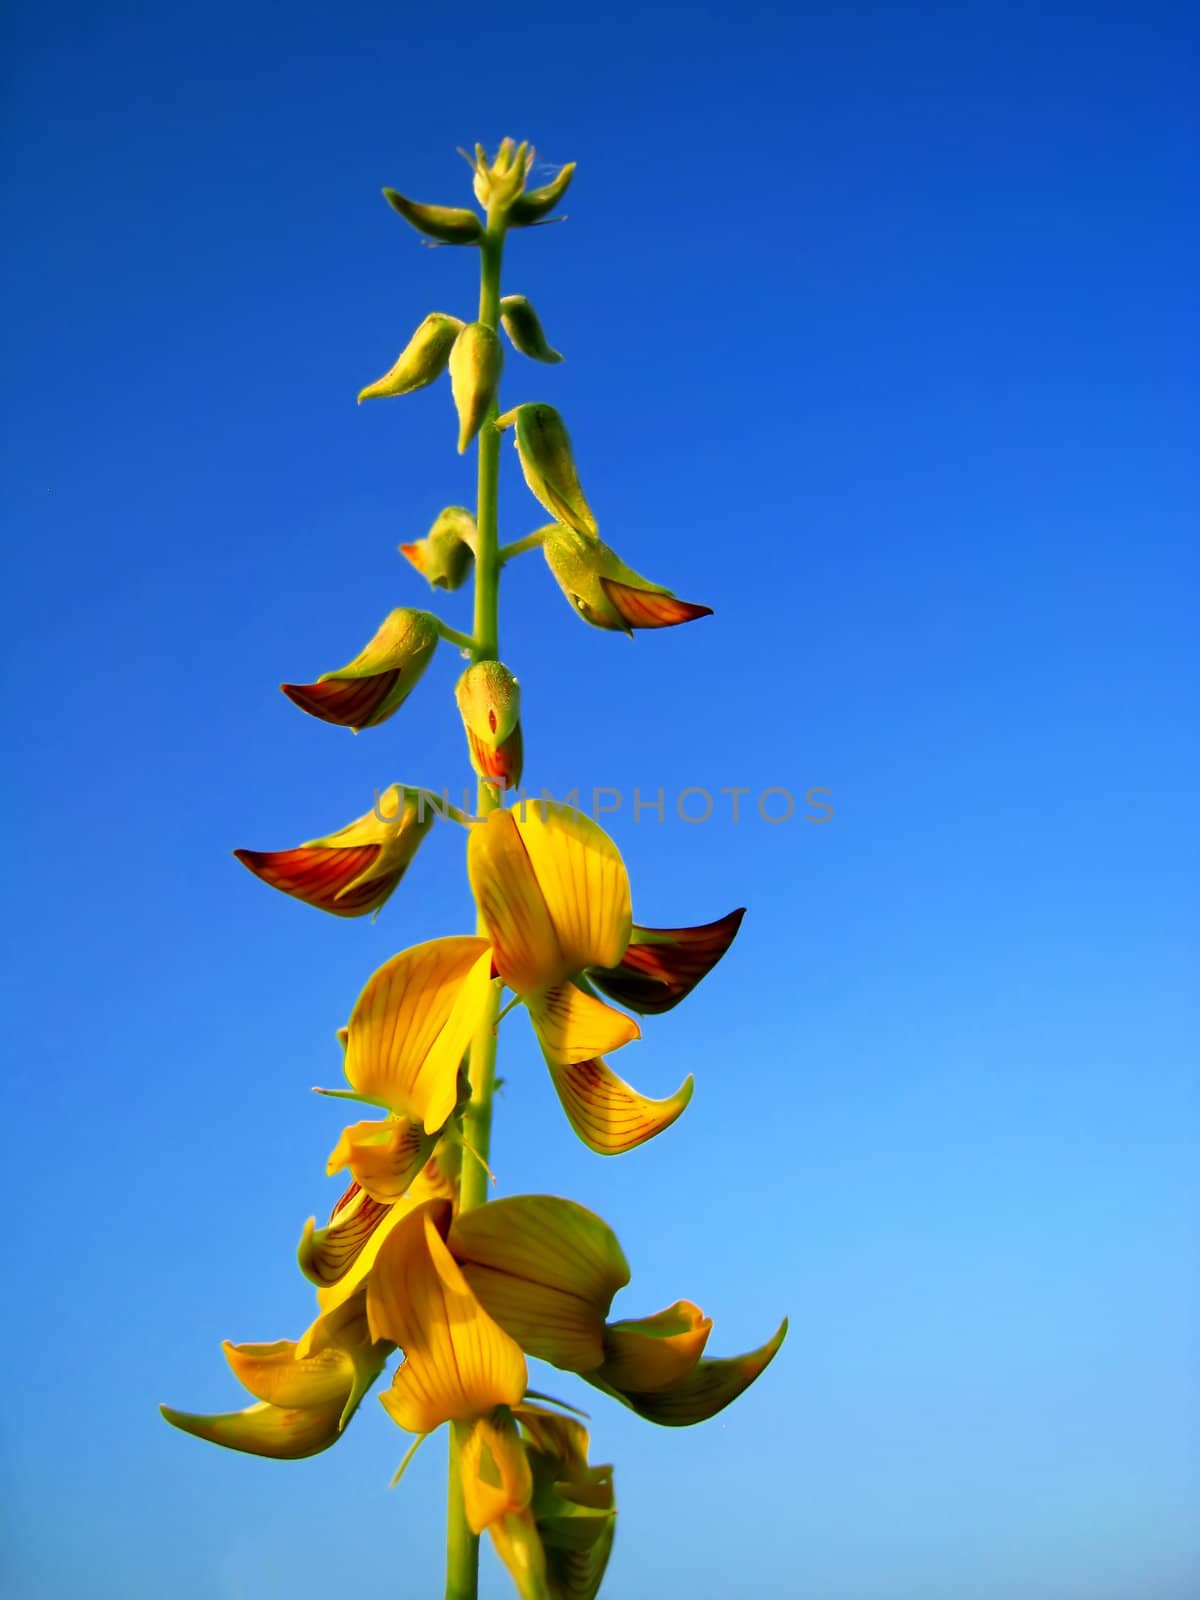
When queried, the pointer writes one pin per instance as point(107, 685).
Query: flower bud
point(498, 182)
point(421, 362)
point(523, 327)
point(449, 224)
point(354, 870)
point(489, 701)
point(544, 446)
point(445, 555)
point(606, 592)
point(475, 363)
point(367, 690)
point(534, 204)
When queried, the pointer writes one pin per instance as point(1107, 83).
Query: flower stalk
point(412, 1264)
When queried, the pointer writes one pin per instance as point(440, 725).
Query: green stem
point(531, 541)
point(462, 1546)
point(463, 641)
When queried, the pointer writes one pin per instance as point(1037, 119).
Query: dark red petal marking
point(661, 966)
point(642, 608)
point(347, 702)
point(317, 874)
point(501, 765)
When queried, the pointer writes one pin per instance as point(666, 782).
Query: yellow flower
point(547, 1271)
point(554, 895)
point(458, 1363)
point(369, 689)
point(305, 1391)
point(354, 870)
point(407, 1034)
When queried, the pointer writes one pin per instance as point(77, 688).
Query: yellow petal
point(272, 1373)
point(398, 1020)
point(708, 1388)
point(264, 1430)
point(528, 955)
point(655, 1352)
point(327, 1254)
point(495, 1471)
point(384, 1157)
point(547, 1270)
point(573, 1026)
point(516, 1540)
point(606, 1112)
point(436, 1086)
point(458, 1364)
point(583, 881)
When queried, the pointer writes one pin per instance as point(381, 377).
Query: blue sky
point(881, 340)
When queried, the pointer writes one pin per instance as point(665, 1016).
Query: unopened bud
point(421, 362)
point(367, 690)
point(489, 702)
point(444, 556)
point(475, 363)
point(524, 328)
point(534, 204)
point(500, 180)
point(449, 224)
point(544, 446)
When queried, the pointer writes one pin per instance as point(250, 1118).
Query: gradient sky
point(881, 339)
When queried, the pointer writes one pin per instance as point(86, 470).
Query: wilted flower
point(369, 689)
point(354, 870)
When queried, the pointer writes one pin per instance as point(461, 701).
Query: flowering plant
point(412, 1261)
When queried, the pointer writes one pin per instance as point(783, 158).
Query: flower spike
point(354, 870)
point(661, 966)
point(369, 689)
point(606, 592)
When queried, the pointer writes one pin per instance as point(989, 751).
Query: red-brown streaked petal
point(572, 1026)
point(327, 1254)
point(348, 702)
point(500, 764)
point(661, 966)
point(415, 553)
point(708, 1388)
point(646, 608)
point(384, 1156)
point(606, 1112)
point(329, 878)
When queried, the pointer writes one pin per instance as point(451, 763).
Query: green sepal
point(534, 204)
point(524, 328)
point(447, 224)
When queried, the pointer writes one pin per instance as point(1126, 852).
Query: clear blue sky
point(881, 339)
